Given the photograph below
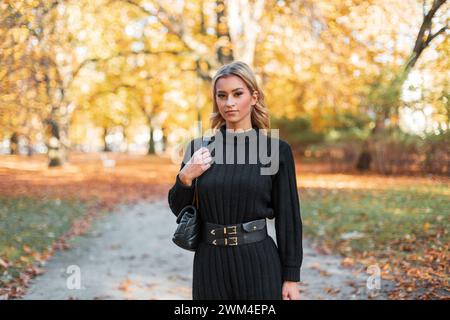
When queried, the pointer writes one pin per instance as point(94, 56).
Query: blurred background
point(95, 97)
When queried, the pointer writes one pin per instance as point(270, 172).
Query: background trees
point(351, 73)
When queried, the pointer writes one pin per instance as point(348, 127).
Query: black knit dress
point(236, 193)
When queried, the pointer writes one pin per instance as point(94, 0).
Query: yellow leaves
point(3, 72)
point(19, 35)
point(220, 8)
point(9, 97)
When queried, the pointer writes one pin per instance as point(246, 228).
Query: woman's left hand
point(291, 290)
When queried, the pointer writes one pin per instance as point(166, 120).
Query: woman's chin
point(232, 115)
point(233, 120)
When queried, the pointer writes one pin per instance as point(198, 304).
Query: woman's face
point(235, 101)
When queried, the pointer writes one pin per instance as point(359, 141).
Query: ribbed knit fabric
point(236, 193)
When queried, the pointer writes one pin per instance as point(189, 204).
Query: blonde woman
point(236, 258)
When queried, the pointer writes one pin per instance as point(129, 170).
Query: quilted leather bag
point(188, 232)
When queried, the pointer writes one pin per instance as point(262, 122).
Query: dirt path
point(129, 255)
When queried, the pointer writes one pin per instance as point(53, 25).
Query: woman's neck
point(238, 129)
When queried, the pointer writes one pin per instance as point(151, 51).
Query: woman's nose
point(230, 102)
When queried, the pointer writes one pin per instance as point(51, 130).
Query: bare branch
point(423, 39)
point(431, 37)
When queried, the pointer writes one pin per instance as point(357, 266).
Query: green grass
point(418, 215)
point(30, 226)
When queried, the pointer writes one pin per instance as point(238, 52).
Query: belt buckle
point(234, 243)
point(226, 241)
point(233, 231)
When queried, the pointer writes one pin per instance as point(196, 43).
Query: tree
point(386, 96)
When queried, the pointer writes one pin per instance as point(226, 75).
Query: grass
point(29, 227)
point(382, 216)
point(405, 230)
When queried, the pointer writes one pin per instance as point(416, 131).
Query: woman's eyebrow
point(231, 90)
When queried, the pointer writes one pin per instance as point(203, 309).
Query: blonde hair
point(260, 114)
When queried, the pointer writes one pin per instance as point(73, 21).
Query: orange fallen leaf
point(125, 285)
point(3, 263)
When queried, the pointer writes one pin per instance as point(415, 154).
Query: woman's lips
point(232, 112)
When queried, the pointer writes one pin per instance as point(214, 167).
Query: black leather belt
point(236, 234)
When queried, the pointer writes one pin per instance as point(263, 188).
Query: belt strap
point(237, 234)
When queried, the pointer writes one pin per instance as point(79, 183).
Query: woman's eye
point(221, 96)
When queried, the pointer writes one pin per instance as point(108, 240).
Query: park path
point(128, 254)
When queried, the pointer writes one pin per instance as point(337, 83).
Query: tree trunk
point(365, 158)
point(55, 148)
point(151, 142)
point(105, 144)
point(14, 144)
point(224, 51)
point(29, 146)
point(125, 139)
point(164, 138)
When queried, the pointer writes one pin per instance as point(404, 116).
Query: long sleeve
point(181, 195)
point(288, 223)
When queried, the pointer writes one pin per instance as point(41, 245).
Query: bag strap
point(195, 201)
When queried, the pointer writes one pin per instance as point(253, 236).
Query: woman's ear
point(255, 96)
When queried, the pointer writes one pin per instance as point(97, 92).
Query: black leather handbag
point(188, 232)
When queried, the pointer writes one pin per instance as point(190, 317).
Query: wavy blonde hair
point(260, 114)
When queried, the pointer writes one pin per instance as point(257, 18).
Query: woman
point(236, 258)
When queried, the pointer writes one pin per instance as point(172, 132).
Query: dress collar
point(229, 136)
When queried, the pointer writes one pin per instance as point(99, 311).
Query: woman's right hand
point(199, 163)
